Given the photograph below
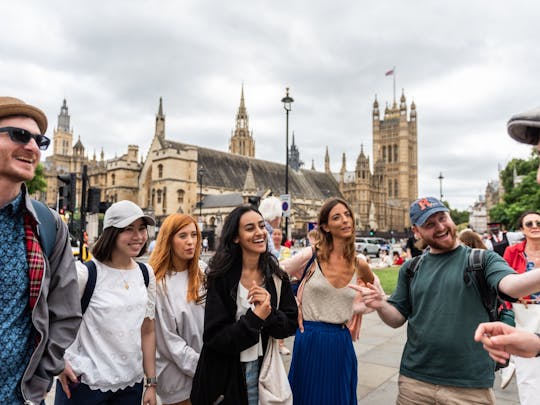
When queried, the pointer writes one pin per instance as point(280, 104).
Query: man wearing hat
point(39, 297)
point(441, 363)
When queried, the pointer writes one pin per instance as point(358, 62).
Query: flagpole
point(394, 78)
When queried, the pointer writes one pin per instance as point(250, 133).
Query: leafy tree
point(459, 217)
point(520, 197)
point(38, 183)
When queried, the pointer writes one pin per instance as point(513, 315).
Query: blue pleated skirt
point(324, 366)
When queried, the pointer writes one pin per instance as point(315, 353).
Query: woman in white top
point(179, 306)
point(115, 345)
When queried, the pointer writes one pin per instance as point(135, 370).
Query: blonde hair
point(161, 258)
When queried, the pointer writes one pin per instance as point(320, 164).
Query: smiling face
point(132, 239)
point(340, 222)
point(530, 226)
point(18, 162)
point(184, 242)
point(252, 233)
point(439, 232)
point(277, 236)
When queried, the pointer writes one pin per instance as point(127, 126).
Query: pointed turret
point(402, 103)
point(160, 121)
point(63, 118)
point(294, 156)
point(241, 142)
point(327, 161)
point(249, 182)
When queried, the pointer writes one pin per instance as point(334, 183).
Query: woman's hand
point(260, 297)
point(149, 397)
point(68, 377)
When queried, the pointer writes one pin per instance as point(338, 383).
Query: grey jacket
point(56, 315)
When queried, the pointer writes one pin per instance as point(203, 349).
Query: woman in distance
point(241, 312)
point(324, 366)
point(179, 306)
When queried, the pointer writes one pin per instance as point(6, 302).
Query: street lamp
point(440, 184)
point(287, 101)
point(201, 175)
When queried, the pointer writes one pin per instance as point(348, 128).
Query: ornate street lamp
point(287, 101)
point(201, 175)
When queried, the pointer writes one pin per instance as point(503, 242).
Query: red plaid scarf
point(34, 255)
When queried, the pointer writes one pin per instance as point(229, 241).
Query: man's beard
point(446, 245)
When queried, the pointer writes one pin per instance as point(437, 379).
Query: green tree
point(38, 183)
point(519, 197)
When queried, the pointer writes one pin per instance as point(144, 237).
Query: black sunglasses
point(23, 136)
point(530, 224)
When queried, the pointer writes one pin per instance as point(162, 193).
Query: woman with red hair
point(179, 306)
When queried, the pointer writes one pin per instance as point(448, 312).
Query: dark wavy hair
point(228, 252)
point(522, 217)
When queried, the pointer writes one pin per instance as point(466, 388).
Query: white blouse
point(107, 351)
point(242, 305)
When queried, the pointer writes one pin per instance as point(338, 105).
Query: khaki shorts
point(414, 392)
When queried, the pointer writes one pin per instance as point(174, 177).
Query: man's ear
point(415, 231)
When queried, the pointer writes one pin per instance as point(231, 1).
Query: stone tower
point(294, 156)
point(395, 144)
point(242, 142)
point(63, 134)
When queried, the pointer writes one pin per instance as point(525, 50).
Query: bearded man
point(441, 363)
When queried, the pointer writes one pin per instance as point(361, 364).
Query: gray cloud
point(467, 65)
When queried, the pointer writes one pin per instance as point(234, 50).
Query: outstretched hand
point(372, 296)
point(501, 340)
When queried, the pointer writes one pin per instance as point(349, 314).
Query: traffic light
point(67, 192)
point(371, 232)
point(94, 195)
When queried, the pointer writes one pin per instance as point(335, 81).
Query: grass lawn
point(388, 278)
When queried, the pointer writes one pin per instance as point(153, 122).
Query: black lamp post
point(440, 184)
point(201, 175)
point(287, 101)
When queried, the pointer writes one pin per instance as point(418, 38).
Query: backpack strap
point(92, 277)
point(144, 271)
point(47, 227)
point(476, 267)
point(90, 285)
point(412, 266)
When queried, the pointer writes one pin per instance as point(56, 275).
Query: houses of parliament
point(177, 177)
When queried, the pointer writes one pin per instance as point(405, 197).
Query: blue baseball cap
point(423, 208)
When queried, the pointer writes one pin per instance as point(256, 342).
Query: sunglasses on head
point(19, 135)
point(530, 224)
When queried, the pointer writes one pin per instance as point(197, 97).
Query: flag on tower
point(389, 73)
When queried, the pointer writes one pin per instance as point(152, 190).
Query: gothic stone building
point(177, 177)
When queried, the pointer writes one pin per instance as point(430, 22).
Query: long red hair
point(161, 258)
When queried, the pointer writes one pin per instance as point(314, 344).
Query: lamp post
point(201, 175)
point(287, 101)
point(440, 184)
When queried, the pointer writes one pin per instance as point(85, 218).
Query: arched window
point(395, 153)
point(113, 179)
point(384, 153)
point(160, 170)
point(159, 193)
point(389, 188)
point(180, 194)
point(164, 199)
point(396, 189)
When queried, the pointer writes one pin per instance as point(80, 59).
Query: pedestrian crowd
point(118, 331)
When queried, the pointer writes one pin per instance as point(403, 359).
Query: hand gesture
point(149, 397)
point(260, 298)
point(372, 296)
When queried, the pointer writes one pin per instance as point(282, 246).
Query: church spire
point(327, 161)
point(241, 142)
point(160, 121)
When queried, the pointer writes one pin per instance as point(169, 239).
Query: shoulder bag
point(274, 385)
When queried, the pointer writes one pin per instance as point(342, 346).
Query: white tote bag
point(274, 385)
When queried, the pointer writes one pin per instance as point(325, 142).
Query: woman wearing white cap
point(116, 341)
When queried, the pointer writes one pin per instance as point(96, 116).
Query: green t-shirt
point(442, 313)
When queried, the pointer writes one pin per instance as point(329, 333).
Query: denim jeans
point(83, 395)
point(251, 369)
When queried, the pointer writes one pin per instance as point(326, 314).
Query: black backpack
point(46, 230)
point(91, 283)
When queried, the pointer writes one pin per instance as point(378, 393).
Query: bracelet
point(150, 382)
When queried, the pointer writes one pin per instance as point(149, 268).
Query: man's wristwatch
point(150, 382)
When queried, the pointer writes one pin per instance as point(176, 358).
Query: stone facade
point(208, 184)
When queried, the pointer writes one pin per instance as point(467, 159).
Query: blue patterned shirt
point(15, 315)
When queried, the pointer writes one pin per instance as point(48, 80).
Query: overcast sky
point(468, 66)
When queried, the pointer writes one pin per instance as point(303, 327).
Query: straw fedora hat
point(10, 106)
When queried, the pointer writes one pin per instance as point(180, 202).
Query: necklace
point(126, 285)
